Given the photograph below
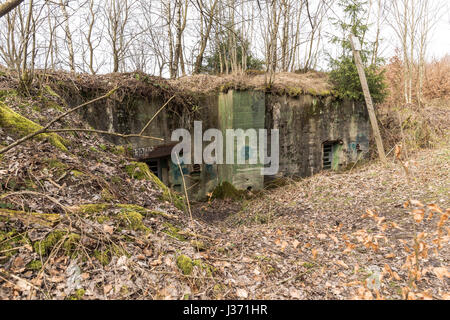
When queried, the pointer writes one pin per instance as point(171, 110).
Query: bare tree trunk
point(26, 74)
point(204, 37)
point(68, 36)
point(8, 6)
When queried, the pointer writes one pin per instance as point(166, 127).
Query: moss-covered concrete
point(21, 126)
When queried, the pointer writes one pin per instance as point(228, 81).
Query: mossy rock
point(21, 126)
point(226, 190)
point(140, 171)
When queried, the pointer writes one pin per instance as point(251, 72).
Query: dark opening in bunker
point(154, 166)
point(330, 160)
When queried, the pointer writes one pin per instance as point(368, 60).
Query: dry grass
point(314, 83)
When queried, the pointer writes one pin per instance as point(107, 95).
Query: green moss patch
point(45, 246)
point(34, 265)
point(142, 210)
point(132, 220)
point(226, 190)
point(187, 265)
point(78, 295)
point(93, 208)
point(107, 195)
point(104, 256)
point(140, 171)
point(76, 173)
point(173, 231)
point(9, 240)
point(21, 126)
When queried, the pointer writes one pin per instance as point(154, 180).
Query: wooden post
point(368, 97)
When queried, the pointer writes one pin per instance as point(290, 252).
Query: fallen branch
point(124, 136)
point(154, 116)
point(45, 129)
point(43, 219)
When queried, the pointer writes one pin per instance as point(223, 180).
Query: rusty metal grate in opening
point(327, 156)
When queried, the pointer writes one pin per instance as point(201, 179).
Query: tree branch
point(125, 136)
point(9, 5)
point(45, 129)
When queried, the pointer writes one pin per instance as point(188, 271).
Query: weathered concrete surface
point(305, 123)
point(242, 110)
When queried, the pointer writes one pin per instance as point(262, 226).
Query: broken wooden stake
point(368, 98)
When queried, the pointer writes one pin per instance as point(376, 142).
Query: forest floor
point(86, 222)
point(344, 235)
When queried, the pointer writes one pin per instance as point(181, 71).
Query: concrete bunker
point(316, 132)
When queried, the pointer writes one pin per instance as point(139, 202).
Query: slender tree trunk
point(8, 6)
point(68, 36)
